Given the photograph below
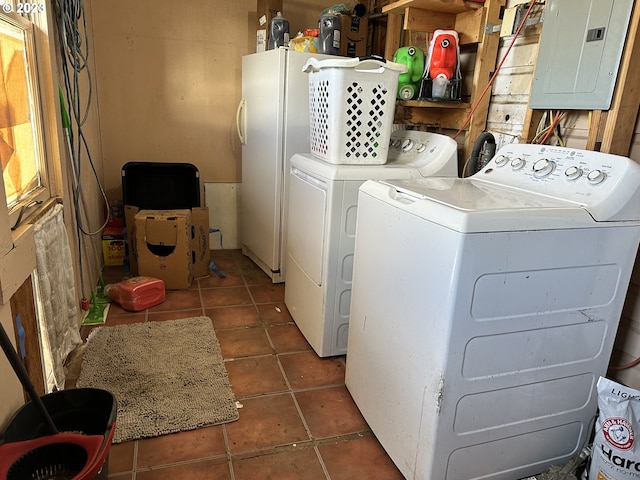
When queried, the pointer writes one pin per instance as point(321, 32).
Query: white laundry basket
point(351, 108)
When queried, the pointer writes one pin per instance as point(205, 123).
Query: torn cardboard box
point(199, 240)
point(163, 245)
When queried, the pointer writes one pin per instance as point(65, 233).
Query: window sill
point(18, 263)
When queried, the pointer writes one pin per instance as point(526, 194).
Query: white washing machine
point(484, 309)
point(321, 233)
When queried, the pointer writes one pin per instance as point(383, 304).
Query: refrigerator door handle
point(241, 121)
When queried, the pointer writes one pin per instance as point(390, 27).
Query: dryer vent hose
point(483, 150)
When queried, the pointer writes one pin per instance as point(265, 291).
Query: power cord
point(74, 51)
point(495, 73)
point(543, 133)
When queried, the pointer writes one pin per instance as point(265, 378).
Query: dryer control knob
point(573, 173)
point(518, 163)
point(543, 168)
point(501, 160)
point(407, 145)
point(596, 176)
point(421, 147)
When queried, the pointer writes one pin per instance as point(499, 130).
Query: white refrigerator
point(273, 124)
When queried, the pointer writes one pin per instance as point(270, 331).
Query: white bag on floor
point(616, 453)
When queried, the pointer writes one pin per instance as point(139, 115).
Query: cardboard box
point(353, 36)
point(200, 248)
point(131, 251)
point(113, 245)
point(261, 41)
point(163, 246)
point(266, 10)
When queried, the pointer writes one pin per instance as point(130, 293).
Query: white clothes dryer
point(485, 309)
point(321, 234)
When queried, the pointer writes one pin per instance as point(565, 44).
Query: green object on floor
point(99, 307)
point(100, 296)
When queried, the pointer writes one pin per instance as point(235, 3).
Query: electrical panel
point(580, 50)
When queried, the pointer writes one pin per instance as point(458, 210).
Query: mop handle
point(22, 374)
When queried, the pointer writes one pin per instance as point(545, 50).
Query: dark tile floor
point(297, 421)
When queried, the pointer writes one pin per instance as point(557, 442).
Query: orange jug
point(136, 293)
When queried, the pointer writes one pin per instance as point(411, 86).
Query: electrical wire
point(495, 73)
point(541, 124)
point(626, 365)
point(74, 51)
point(554, 123)
point(543, 134)
point(465, 167)
point(543, 128)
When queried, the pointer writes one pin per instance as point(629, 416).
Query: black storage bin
point(90, 411)
point(160, 186)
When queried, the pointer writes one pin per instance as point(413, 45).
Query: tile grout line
point(159, 466)
point(290, 391)
point(306, 425)
point(295, 401)
point(321, 460)
point(203, 310)
point(228, 451)
point(299, 410)
point(264, 325)
point(227, 446)
point(135, 460)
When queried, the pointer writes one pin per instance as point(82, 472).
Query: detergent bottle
point(329, 36)
point(278, 32)
point(443, 65)
point(409, 82)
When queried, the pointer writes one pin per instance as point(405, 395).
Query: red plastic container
point(444, 56)
point(87, 419)
point(136, 293)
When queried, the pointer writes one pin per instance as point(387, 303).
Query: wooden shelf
point(446, 6)
point(426, 104)
point(434, 114)
point(469, 19)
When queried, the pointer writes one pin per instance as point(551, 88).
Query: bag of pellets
point(615, 454)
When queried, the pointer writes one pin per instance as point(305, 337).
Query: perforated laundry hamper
point(351, 108)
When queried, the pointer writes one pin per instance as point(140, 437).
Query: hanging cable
point(552, 129)
point(74, 51)
point(495, 73)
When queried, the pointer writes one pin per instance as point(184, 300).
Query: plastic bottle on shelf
point(329, 37)
point(443, 61)
point(278, 32)
point(136, 293)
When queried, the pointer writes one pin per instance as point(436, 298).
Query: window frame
point(39, 64)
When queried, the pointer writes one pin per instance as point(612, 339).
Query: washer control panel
point(420, 149)
point(593, 179)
